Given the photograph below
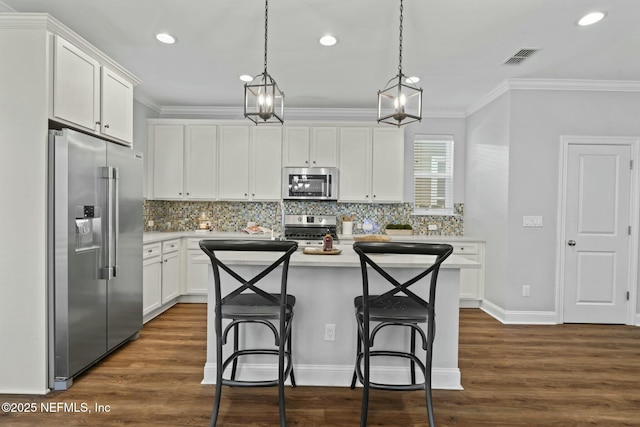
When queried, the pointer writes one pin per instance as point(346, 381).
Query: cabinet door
point(387, 165)
point(168, 153)
point(234, 163)
point(197, 273)
point(296, 146)
point(201, 166)
point(324, 147)
point(116, 106)
point(170, 276)
point(266, 173)
point(355, 164)
point(76, 86)
point(151, 284)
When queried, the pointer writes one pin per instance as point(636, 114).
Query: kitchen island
point(325, 286)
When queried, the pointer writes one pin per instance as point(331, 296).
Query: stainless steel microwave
point(310, 184)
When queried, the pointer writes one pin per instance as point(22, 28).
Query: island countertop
point(348, 258)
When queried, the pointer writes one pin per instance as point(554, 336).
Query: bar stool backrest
point(287, 248)
point(431, 266)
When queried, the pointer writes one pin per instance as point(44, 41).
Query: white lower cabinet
point(170, 270)
point(471, 279)
point(160, 275)
point(197, 274)
point(151, 278)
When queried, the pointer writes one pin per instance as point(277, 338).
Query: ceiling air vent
point(518, 57)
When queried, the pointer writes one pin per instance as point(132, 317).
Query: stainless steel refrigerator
point(95, 251)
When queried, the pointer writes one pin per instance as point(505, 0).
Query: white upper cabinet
point(266, 167)
point(90, 96)
point(306, 146)
point(371, 165)
point(387, 165)
point(250, 163)
point(201, 162)
point(166, 151)
point(116, 110)
point(355, 164)
point(183, 161)
point(233, 171)
point(76, 86)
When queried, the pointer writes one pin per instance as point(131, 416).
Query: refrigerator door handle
point(107, 270)
point(115, 231)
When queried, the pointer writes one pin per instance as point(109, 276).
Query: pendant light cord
point(266, 27)
point(400, 56)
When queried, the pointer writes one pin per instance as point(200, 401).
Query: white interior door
point(597, 234)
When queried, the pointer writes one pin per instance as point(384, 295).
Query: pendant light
point(400, 102)
point(263, 100)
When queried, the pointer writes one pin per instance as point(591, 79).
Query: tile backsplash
point(233, 216)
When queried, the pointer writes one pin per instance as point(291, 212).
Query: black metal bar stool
point(248, 303)
point(389, 309)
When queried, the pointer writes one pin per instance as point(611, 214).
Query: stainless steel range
point(308, 230)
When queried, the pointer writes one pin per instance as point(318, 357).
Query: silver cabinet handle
point(571, 243)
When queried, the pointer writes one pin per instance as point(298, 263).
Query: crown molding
point(353, 114)
point(554, 84)
point(575, 84)
point(147, 102)
point(499, 90)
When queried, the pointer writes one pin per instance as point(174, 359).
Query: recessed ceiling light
point(412, 79)
point(591, 18)
point(166, 38)
point(328, 40)
point(246, 78)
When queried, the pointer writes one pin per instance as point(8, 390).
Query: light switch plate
point(531, 221)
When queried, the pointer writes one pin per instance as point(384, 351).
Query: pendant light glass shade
point(263, 99)
point(400, 102)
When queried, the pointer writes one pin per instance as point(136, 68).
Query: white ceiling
point(457, 47)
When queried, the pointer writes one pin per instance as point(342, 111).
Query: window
point(433, 174)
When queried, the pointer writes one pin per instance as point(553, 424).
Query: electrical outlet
point(150, 223)
point(330, 332)
point(432, 227)
point(526, 290)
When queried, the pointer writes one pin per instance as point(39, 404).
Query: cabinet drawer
point(195, 243)
point(170, 246)
point(465, 248)
point(150, 251)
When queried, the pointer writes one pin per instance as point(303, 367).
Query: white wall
point(538, 120)
point(437, 126)
point(486, 192)
point(23, 186)
point(516, 139)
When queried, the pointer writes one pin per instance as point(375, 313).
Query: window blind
point(433, 173)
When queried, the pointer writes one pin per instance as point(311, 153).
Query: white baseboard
point(339, 375)
point(637, 319)
point(513, 317)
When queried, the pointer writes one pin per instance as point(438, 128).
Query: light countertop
point(158, 236)
point(348, 258)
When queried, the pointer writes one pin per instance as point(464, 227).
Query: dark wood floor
point(513, 375)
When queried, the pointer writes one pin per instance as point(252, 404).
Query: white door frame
point(565, 142)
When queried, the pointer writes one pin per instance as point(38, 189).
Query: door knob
point(571, 243)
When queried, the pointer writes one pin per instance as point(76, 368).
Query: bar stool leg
point(358, 350)
point(281, 369)
point(236, 338)
point(413, 352)
point(216, 404)
point(291, 374)
point(365, 391)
